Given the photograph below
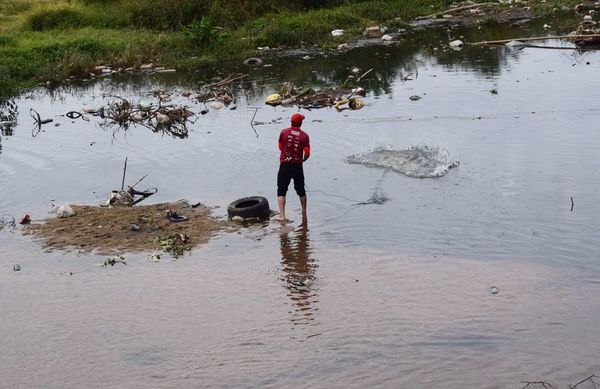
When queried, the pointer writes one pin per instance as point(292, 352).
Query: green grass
point(50, 40)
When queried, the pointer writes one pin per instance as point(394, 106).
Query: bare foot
point(281, 219)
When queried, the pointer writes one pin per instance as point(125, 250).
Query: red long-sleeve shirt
point(294, 145)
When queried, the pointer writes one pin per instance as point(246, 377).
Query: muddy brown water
point(379, 295)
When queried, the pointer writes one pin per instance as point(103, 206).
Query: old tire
point(249, 207)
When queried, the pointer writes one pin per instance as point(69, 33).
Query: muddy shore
point(143, 228)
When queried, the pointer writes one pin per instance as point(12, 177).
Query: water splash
point(416, 161)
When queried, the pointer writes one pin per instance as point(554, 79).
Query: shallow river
point(387, 295)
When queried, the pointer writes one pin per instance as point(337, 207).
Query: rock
point(147, 66)
point(337, 32)
point(17, 267)
point(343, 47)
point(373, 32)
point(217, 105)
point(386, 38)
point(253, 61)
point(415, 97)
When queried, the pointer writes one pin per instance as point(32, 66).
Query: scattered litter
point(456, 44)
point(337, 32)
point(112, 261)
point(64, 211)
point(17, 267)
point(415, 98)
point(253, 61)
point(217, 105)
point(494, 290)
point(494, 91)
point(8, 221)
point(25, 219)
point(175, 217)
point(343, 47)
point(221, 91)
point(155, 257)
point(386, 38)
point(372, 32)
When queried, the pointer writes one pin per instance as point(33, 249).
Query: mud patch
point(417, 162)
point(130, 229)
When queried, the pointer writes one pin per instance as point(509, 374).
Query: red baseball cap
point(297, 118)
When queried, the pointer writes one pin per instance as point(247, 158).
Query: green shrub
point(47, 18)
point(203, 32)
point(164, 14)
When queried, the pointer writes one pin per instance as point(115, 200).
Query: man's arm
point(306, 149)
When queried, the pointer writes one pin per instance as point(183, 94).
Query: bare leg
point(281, 203)
point(303, 205)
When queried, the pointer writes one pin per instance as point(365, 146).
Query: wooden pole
point(535, 38)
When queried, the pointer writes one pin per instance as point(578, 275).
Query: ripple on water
point(416, 161)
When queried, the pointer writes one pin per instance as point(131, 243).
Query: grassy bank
point(43, 40)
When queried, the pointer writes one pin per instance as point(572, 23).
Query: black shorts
point(287, 171)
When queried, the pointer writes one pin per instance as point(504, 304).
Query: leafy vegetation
point(50, 40)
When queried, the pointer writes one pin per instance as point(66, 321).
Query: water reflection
point(299, 269)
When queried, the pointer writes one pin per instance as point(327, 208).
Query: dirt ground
point(128, 229)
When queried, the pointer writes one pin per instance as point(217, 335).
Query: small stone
point(17, 267)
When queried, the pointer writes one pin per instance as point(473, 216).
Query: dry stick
point(449, 10)
point(252, 122)
point(535, 38)
point(562, 48)
point(138, 181)
point(572, 204)
point(582, 381)
point(38, 120)
point(124, 172)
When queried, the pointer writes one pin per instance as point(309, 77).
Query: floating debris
point(169, 119)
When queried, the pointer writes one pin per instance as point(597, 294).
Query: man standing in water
point(294, 145)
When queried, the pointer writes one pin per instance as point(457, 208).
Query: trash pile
point(586, 27)
point(307, 98)
point(160, 117)
point(220, 93)
point(8, 116)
